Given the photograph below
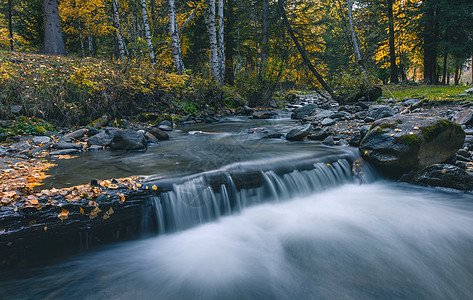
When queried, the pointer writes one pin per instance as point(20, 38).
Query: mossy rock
point(402, 143)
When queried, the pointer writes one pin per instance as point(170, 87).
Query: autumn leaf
point(93, 214)
point(154, 187)
point(64, 214)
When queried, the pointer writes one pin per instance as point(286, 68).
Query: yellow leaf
point(81, 210)
point(154, 187)
point(93, 214)
point(45, 228)
point(64, 214)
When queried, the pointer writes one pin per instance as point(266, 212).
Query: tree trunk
point(91, 46)
point(430, 42)
point(221, 40)
point(81, 39)
point(264, 46)
point(456, 79)
point(214, 63)
point(303, 54)
point(229, 44)
point(10, 24)
point(175, 43)
point(144, 14)
point(116, 23)
point(53, 42)
point(471, 69)
point(354, 39)
point(445, 57)
point(392, 51)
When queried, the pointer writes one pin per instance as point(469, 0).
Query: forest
point(247, 46)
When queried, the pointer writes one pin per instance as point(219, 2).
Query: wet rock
point(299, 133)
point(66, 145)
point(3, 150)
point(355, 139)
point(247, 111)
point(365, 94)
point(369, 119)
point(103, 138)
point(158, 133)
point(21, 146)
point(91, 131)
point(327, 122)
point(463, 152)
point(464, 117)
point(64, 152)
point(95, 148)
point(401, 143)
point(342, 142)
point(263, 115)
point(76, 135)
point(128, 140)
point(383, 112)
point(445, 175)
point(328, 141)
point(38, 140)
point(304, 111)
point(318, 134)
point(151, 138)
point(361, 115)
point(362, 105)
point(324, 114)
point(165, 125)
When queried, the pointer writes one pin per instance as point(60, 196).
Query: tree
point(116, 23)
point(392, 51)
point(147, 30)
point(212, 30)
point(175, 42)
point(356, 48)
point(53, 42)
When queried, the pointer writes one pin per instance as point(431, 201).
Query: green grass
point(429, 92)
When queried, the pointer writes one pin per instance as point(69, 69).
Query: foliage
point(439, 92)
point(27, 126)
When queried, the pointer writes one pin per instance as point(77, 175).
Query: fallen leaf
point(81, 210)
point(64, 214)
point(154, 187)
point(93, 214)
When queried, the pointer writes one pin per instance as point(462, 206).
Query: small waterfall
point(202, 198)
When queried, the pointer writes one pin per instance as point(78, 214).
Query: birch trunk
point(81, 38)
point(10, 24)
point(214, 63)
point(116, 23)
point(355, 39)
point(175, 43)
point(221, 40)
point(264, 47)
point(147, 30)
point(392, 49)
point(91, 46)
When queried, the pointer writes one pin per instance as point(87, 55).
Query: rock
point(158, 133)
point(318, 134)
point(324, 114)
point(22, 146)
point(273, 135)
point(91, 131)
point(16, 108)
point(247, 111)
point(342, 142)
point(165, 127)
point(76, 135)
point(469, 91)
point(95, 148)
point(369, 94)
point(343, 115)
point(369, 119)
point(327, 122)
point(383, 112)
point(463, 152)
point(401, 143)
point(355, 139)
point(63, 152)
point(299, 133)
point(464, 117)
point(361, 115)
point(362, 105)
point(3, 150)
point(66, 145)
point(101, 122)
point(263, 115)
point(103, 138)
point(151, 138)
point(304, 111)
point(128, 140)
point(165, 123)
point(445, 175)
point(328, 141)
point(38, 140)
point(463, 158)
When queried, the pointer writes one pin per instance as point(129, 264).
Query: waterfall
point(202, 198)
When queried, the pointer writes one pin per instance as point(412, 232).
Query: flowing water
point(293, 224)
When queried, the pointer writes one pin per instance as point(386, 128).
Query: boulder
point(402, 143)
point(383, 112)
point(318, 134)
point(445, 175)
point(464, 117)
point(469, 91)
point(3, 150)
point(66, 145)
point(324, 114)
point(263, 115)
point(128, 140)
point(63, 152)
point(303, 111)
point(298, 133)
point(365, 93)
point(75, 135)
point(158, 133)
point(101, 122)
point(327, 122)
point(103, 138)
point(38, 140)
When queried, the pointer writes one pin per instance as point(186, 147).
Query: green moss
point(431, 132)
point(399, 121)
point(40, 129)
point(409, 139)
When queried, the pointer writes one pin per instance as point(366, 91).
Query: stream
point(304, 233)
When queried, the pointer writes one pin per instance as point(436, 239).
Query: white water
point(374, 241)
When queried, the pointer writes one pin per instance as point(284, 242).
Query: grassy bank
point(429, 92)
point(75, 91)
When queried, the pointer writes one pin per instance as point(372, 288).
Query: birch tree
point(175, 43)
point(211, 27)
point(354, 39)
point(144, 14)
point(116, 23)
point(221, 40)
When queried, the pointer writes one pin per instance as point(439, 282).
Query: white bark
point(214, 64)
point(116, 23)
point(91, 47)
point(147, 30)
point(175, 43)
point(354, 39)
point(221, 41)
